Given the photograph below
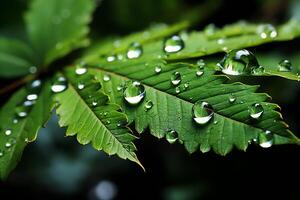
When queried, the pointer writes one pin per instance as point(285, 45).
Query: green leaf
point(23, 130)
point(16, 58)
point(88, 113)
point(231, 125)
point(57, 27)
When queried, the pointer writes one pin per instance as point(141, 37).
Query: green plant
point(153, 79)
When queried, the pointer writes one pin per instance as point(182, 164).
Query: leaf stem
point(16, 84)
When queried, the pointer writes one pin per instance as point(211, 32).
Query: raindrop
point(80, 86)
point(106, 78)
point(238, 62)
point(15, 120)
point(111, 58)
point(135, 50)
point(266, 31)
point(134, 93)
point(265, 139)
point(60, 84)
point(285, 66)
point(255, 110)
point(157, 69)
point(177, 90)
point(171, 136)
point(173, 44)
point(80, 70)
point(119, 87)
point(202, 112)
point(32, 97)
point(176, 78)
point(148, 105)
point(8, 132)
point(231, 98)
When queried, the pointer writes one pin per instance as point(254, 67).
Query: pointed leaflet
point(87, 113)
point(25, 130)
point(231, 124)
point(57, 27)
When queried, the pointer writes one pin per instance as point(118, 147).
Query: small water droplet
point(105, 113)
point(255, 110)
point(111, 58)
point(23, 109)
point(107, 122)
point(266, 31)
point(177, 90)
point(148, 105)
point(1, 153)
point(60, 84)
point(173, 44)
point(80, 86)
point(157, 69)
point(202, 112)
point(171, 136)
point(285, 66)
point(265, 139)
point(135, 50)
point(32, 69)
point(200, 63)
point(15, 120)
point(106, 78)
point(175, 78)
point(210, 29)
point(8, 132)
point(80, 70)
point(238, 62)
point(215, 122)
point(134, 93)
point(119, 87)
point(221, 41)
point(186, 85)
point(258, 71)
point(231, 98)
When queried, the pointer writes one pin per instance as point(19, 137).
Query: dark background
point(56, 167)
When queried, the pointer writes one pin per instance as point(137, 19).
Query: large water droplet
point(173, 44)
point(8, 132)
point(255, 110)
point(238, 62)
point(135, 50)
point(134, 93)
point(148, 105)
point(157, 69)
point(285, 66)
point(202, 112)
point(171, 136)
point(266, 31)
point(265, 139)
point(176, 78)
point(60, 84)
point(106, 78)
point(231, 98)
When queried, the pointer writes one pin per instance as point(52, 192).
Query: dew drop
point(15, 120)
point(80, 86)
point(60, 84)
point(80, 70)
point(32, 69)
point(266, 31)
point(231, 98)
point(134, 93)
point(177, 90)
point(32, 97)
point(255, 110)
point(173, 44)
point(210, 29)
point(106, 78)
point(175, 78)
point(111, 58)
point(284, 66)
point(171, 136)
point(265, 139)
point(148, 105)
point(1, 153)
point(186, 85)
point(201, 64)
point(221, 41)
point(135, 50)
point(8, 132)
point(119, 87)
point(202, 112)
point(238, 62)
point(157, 69)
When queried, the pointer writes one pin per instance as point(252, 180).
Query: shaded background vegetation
point(55, 167)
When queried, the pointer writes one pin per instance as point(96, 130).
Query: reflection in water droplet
point(134, 93)
point(60, 84)
point(135, 50)
point(106, 78)
point(238, 62)
point(266, 31)
point(171, 136)
point(285, 66)
point(231, 98)
point(173, 44)
point(255, 110)
point(202, 112)
point(148, 105)
point(176, 78)
point(265, 139)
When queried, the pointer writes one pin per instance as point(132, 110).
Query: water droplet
point(285, 66)
point(80, 70)
point(202, 112)
point(186, 85)
point(32, 97)
point(23, 109)
point(215, 122)
point(265, 139)
point(106, 78)
point(1, 153)
point(266, 31)
point(134, 93)
point(148, 105)
point(8, 132)
point(221, 41)
point(210, 29)
point(111, 58)
point(255, 110)
point(8, 144)
point(32, 69)
point(135, 50)
point(177, 90)
point(119, 87)
point(80, 86)
point(176, 78)
point(107, 122)
point(238, 62)
point(201, 64)
point(15, 120)
point(157, 69)
point(60, 84)
point(173, 44)
point(258, 71)
point(231, 98)
point(171, 136)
